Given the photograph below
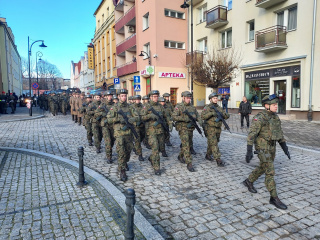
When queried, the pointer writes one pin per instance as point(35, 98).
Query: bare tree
point(50, 73)
point(215, 68)
point(25, 67)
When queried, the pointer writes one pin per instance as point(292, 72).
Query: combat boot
point(181, 159)
point(164, 154)
point(72, 117)
point(90, 143)
point(192, 151)
point(209, 157)
point(79, 121)
point(157, 172)
point(98, 150)
point(169, 144)
point(123, 176)
point(250, 186)
point(220, 163)
point(141, 158)
point(276, 202)
point(109, 160)
point(75, 118)
point(190, 167)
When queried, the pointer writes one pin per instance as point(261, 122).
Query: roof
point(95, 13)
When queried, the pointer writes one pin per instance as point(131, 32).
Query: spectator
point(245, 110)
point(225, 99)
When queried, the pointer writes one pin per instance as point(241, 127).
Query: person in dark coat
point(245, 110)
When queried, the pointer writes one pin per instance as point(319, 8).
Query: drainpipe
point(312, 59)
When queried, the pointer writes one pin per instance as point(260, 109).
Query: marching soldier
point(169, 108)
point(145, 100)
point(115, 99)
point(139, 127)
point(265, 132)
point(162, 101)
point(168, 103)
point(72, 99)
point(96, 125)
point(122, 130)
point(12, 103)
point(87, 118)
point(214, 126)
point(64, 103)
point(152, 114)
point(185, 127)
point(81, 100)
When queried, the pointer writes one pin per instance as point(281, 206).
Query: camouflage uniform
point(87, 119)
point(78, 104)
point(54, 104)
point(139, 127)
point(145, 100)
point(213, 128)
point(96, 127)
point(12, 103)
point(64, 103)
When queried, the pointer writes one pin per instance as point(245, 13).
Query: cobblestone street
point(211, 203)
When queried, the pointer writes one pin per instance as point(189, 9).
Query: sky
point(66, 26)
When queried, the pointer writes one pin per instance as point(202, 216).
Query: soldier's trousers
point(89, 131)
point(137, 141)
point(213, 137)
point(54, 109)
point(124, 147)
point(64, 109)
point(97, 134)
point(108, 136)
point(155, 141)
point(266, 167)
point(186, 141)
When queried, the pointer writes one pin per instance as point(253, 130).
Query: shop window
point(295, 101)
point(256, 90)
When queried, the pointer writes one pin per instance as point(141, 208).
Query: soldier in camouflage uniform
point(185, 127)
point(169, 107)
point(213, 130)
point(115, 99)
point(95, 120)
point(162, 101)
point(154, 130)
point(64, 103)
point(87, 118)
point(265, 132)
point(139, 127)
point(122, 133)
point(54, 104)
point(107, 130)
point(79, 102)
point(145, 100)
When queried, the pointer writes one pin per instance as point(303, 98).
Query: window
point(226, 39)
point(146, 48)
point(203, 45)
point(98, 24)
point(145, 21)
point(251, 30)
point(102, 18)
point(202, 11)
point(288, 18)
point(173, 44)
point(256, 90)
point(280, 20)
point(295, 101)
point(173, 13)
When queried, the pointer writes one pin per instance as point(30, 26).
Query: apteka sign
point(171, 75)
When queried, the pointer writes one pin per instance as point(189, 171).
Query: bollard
point(30, 109)
point(82, 182)
point(130, 202)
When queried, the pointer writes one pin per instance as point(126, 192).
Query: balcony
point(195, 2)
point(127, 68)
point(127, 19)
point(217, 17)
point(128, 44)
point(271, 39)
point(197, 57)
point(267, 3)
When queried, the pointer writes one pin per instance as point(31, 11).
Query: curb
point(23, 119)
point(147, 230)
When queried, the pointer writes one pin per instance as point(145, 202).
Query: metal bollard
point(82, 182)
point(30, 109)
point(130, 202)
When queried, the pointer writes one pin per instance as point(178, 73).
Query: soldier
point(122, 132)
point(115, 99)
point(73, 107)
point(145, 99)
point(87, 117)
point(78, 105)
point(169, 108)
point(185, 127)
point(265, 131)
point(162, 101)
point(64, 103)
point(3, 103)
point(168, 103)
point(214, 126)
point(54, 104)
point(107, 130)
point(12, 103)
point(155, 130)
point(46, 102)
point(139, 127)
point(96, 125)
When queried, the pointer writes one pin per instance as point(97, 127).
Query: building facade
point(275, 38)
point(75, 74)
point(10, 61)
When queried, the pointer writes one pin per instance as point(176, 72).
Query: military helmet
point(89, 96)
point(166, 95)
point(97, 94)
point(161, 99)
point(115, 97)
point(154, 92)
point(123, 91)
point(214, 94)
point(136, 97)
point(130, 98)
point(270, 99)
point(145, 97)
point(108, 92)
point(186, 94)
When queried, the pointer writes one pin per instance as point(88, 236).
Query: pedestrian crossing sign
point(137, 88)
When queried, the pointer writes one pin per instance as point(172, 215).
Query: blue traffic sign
point(35, 85)
point(137, 88)
point(136, 79)
point(116, 81)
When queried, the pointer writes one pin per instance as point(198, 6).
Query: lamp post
point(29, 54)
point(186, 5)
point(149, 60)
point(38, 54)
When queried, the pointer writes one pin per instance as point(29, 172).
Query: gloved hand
point(153, 116)
point(285, 149)
point(132, 120)
point(249, 154)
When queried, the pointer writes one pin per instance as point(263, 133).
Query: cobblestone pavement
point(20, 113)
point(39, 199)
point(208, 204)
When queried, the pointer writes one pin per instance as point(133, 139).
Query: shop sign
point(273, 72)
point(149, 71)
point(257, 74)
point(171, 75)
point(282, 71)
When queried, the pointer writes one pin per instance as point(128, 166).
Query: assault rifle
point(160, 119)
point(128, 124)
point(193, 121)
point(221, 118)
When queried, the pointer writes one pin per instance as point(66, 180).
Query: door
point(173, 97)
point(280, 90)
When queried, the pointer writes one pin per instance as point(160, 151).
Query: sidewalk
point(21, 114)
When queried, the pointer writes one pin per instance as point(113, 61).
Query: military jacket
point(265, 130)
point(170, 106)
point(116, 119)
point(138, 108)
point(78, 105)
point(182, 120)
point(210, 116)
point(91, 110)
point(101, 111)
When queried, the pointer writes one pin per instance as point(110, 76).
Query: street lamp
point(149, 59)
point(186, 5)
point(38, 54)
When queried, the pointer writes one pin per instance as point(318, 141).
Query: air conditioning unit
point(131, 29)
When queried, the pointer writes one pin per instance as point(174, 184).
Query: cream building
point(275, 39)
point(10, 61)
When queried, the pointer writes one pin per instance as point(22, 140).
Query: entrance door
point(280, 90)
point(173, 97)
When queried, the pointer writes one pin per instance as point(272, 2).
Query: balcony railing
point(197, 57)
point(271, 39)
point(267, 3)
point(217, 17)
point(127, 68)
point(126, 44)
point(126, 18)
